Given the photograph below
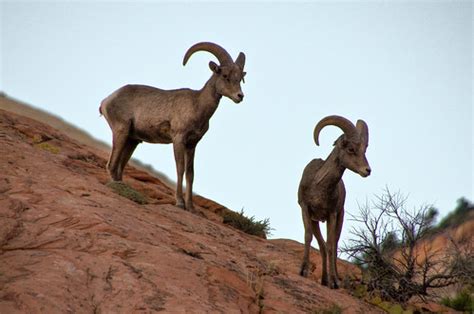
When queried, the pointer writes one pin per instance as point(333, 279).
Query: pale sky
point(403, 67)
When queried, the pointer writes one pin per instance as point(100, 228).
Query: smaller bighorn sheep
point(321, 193)
point(138, 113)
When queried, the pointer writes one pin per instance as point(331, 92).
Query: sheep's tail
point(103, 103)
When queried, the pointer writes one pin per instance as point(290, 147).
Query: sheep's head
point(351, 146)
point(228, 73)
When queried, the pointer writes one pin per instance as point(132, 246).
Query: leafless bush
point(399, 261)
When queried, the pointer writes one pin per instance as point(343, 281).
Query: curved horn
point(221, 54)
point(363, 130)
point(240, 61)
point(341, 122)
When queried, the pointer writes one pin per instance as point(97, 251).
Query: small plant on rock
point(238, 220)
point(463, 301)
point(124, 190)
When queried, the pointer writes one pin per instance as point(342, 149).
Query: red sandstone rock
point(69, 244)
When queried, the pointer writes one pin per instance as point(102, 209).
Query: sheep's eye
point(351, 151)
point(225, 76)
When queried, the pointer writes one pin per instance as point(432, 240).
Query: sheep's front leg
point(189, 178)
point(179, 156)
point(308, 236)
point(332, 250)
point(322, 251)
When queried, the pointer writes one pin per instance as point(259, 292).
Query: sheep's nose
point(368, 170)
point(240, 96)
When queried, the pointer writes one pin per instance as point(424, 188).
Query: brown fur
point(138, 113)
point(321, 195)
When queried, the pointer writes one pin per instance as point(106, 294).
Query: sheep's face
point(228, 81)
point(352, 156)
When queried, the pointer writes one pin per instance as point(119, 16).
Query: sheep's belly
point(155, 134)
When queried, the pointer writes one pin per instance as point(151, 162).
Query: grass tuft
point(333, 309)
point(463, 301)
point(255, 281)
point(48, 147)
point(124, 190)
point(238, 220)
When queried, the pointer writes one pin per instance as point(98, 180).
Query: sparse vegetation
point(389, 307)
point(40, 138)
point(463, 301)
point(458, 216)
point(124, 190)
point(42, 141)
point(248, 225)
point(397, 263)
point(255, 281)
point(48, 147)
point(333, 309)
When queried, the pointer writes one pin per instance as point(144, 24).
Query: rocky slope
point(68, 243)
point(15, 106)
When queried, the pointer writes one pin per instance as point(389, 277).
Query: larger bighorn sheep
point(137, 113)
point(321, 193)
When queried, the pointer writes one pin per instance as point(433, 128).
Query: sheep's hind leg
point(127, 152)
point(118, 145)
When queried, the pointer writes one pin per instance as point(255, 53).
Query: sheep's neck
point(330, 172)
point(208, 98)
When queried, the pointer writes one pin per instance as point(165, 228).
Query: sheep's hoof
point(324, 281)
point(304, 270)
point(193, 210)
point(180, 204)
point(334, 285)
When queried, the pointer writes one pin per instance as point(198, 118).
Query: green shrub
point(124, 190)
point(463, 301)
point(463, 209)
point(48, 147)
point(248, 225)
point(333, 309)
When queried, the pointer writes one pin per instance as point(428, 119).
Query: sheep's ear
point(240, 61)
point(214, 67)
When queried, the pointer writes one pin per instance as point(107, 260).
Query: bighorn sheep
point(321, 193)
point(137, 113)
